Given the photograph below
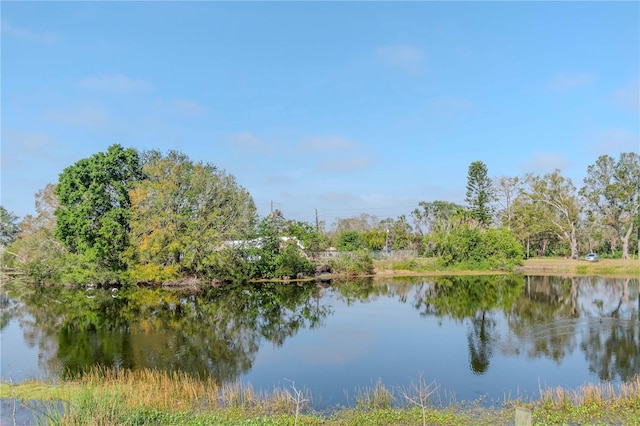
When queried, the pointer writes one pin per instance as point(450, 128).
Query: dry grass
point(112, 397)
point(609, 267)
point(153, 389)
point(628, 268)
point(178, 391)
point(592, 394)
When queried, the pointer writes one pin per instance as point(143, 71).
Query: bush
point(80, 269)
point(350, 240)
point(290, 262)
point(355, 263)
point(474, 248)
point(152, 273)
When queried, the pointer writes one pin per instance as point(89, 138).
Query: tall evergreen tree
point(480, 193)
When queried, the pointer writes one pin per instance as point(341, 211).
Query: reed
point(592, 394)
point(152, 388)
point(115, 397)
point(374, 398)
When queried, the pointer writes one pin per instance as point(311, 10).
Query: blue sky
point(343, 107)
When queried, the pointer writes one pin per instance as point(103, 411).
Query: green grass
point(149, 397)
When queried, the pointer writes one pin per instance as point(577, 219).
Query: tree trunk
point(573, 241)
point(614, 241)
point(625, 242)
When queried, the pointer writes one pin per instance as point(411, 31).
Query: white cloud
point(90, 116)
point(628, 97)
point(327, 144)
point(345, 165)
point(246, 141)
point(543, 162)
point(616, 140)
point(563, 82)
point(188, 107)
point(339, 198)
point(29, 35)
point(114, 83)
point(280, 179)
point(407, 58)
point(20, 145)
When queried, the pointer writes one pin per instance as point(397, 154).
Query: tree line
point(151, 217)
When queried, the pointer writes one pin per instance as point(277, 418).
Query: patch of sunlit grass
point(592, 394)
point(113, 397)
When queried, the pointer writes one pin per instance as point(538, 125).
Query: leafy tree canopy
point(612, 194)
point(8, 227)
point(93, 215)
point(183, 211)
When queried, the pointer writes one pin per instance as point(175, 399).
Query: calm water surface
point(486, 337)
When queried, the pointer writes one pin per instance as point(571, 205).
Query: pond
point(480, 338)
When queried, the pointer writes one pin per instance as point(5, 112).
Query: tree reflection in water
point(217, 332)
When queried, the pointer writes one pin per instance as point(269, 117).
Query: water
point(474, 338)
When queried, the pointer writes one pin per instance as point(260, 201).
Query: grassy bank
point(106, 397)
point(538, 266)
point(605, 267)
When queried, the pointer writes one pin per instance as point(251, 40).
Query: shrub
point(350, 240)
point(290, 262)
point(355, 263)
point(474, 248)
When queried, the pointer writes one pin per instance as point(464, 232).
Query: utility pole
point(317, 220)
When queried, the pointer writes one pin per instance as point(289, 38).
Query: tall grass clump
point(108, 397)
point(353, 263)
point(376, 398)
point(592, 394)
point(602, 403)
point(152, 388)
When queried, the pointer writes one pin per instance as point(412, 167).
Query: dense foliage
point(125, 216)
point(612, 191)
point(480, 193)
point(8, 227)
point(181, 214)
point(474, 248)
point(95, 209)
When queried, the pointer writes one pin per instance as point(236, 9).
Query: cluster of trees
point(127, 216)
point(545, 214)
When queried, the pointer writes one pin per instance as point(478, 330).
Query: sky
point(339, 108)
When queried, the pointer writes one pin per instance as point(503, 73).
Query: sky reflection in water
point(473, 337)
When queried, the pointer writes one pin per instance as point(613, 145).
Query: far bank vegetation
point(148, 218)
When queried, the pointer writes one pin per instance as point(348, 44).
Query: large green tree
point(434, 216)
point(94, 212)
point(480, 194)
point(182, 212)
point(612, 193)
point(556, 206)
point(350, 240)
point(531, 226)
